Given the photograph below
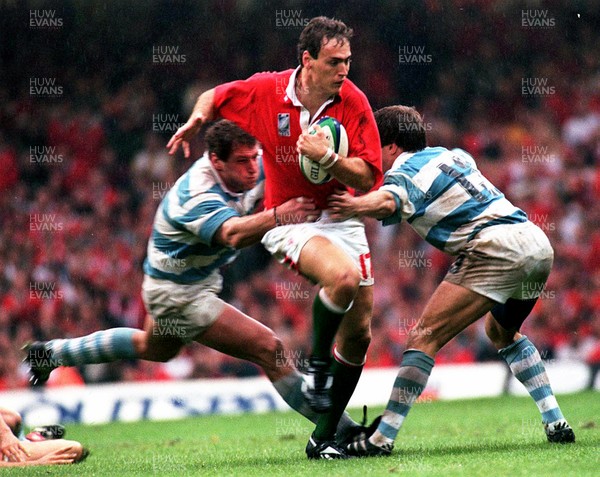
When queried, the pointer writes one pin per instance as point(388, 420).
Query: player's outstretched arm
point(239, 232)
point(11, 449)
point(378, 204)
point(352, 171)
point(203, 111)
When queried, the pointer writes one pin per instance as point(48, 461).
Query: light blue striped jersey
point(181, 247)
point(445, 198)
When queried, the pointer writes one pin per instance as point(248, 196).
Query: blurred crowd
point(86, 109)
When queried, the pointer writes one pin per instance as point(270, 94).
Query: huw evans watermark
point(44, 19)
point(537, 154)
point(413, 55)
point(413, 259)
point(44, 155)
point(168, 55)
point(45, 87)
point(536, 87)
point(537, 18)
point(288, 18)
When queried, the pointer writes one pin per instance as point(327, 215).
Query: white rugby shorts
point(286, 241)
point(183, 311)
point(505, 261)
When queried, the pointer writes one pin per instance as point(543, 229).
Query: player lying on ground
point(278, 109)
point(197, 228)
point(503, 262)
point(46, 450)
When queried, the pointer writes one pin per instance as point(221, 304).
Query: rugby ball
point(338, 141)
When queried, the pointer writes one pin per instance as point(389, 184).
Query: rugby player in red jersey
point(278, 109)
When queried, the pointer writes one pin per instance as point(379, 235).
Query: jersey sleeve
point(236, 101)
point(363, 135)
point(202, 218)
point(406, 195)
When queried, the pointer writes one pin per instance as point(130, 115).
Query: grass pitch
point(500, 437)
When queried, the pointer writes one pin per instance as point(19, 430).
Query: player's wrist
point(198, 119)
point(326, 157)
point(332, 160)
point(276, 217)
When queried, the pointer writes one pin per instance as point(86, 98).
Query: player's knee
point(499, 336)
point(76, 449)
point(271, 348)
point(491, 329)
point(344, 286)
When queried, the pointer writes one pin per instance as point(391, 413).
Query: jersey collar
point(290, 93)
point(401, 159)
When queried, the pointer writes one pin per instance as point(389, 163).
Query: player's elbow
point(366, 180)
point(230, 235)
point(366, 184)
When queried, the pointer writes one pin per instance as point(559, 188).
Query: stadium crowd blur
point(84, 167)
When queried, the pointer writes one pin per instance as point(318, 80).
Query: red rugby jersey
point(261, 106)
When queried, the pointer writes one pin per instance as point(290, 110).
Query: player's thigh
point(337, 251)
point(325, 263)
point(238, 335)
point(450, 310)
point(354, 334)
point(36, 450)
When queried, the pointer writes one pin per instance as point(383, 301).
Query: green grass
point(483, 437)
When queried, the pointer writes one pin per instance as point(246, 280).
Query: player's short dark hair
point(403, 126)
point(224, 136)
point(311, 38)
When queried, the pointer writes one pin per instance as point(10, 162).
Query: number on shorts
point(366, 268)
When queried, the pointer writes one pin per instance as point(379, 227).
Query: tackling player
point(503, 262)
point(278, 109)
point(199, 225)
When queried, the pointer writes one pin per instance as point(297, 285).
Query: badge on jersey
point(283, 124)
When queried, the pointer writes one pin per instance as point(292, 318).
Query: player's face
point(331, 67)
point(389, 154)
point(240, 171)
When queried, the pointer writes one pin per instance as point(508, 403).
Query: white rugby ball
point(338, 141)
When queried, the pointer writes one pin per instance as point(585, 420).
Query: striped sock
point(526, 364)
point(99, 347)
point(411, 381)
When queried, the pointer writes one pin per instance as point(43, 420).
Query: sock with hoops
point(526, 364)
point(412, 378)
point(99, 347)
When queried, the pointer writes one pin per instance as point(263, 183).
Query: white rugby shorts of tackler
point(183, 311)
point(505, 261)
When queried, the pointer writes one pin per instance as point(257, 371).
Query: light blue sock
point(412, 378)
point(99, 347)
point(526, 364)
